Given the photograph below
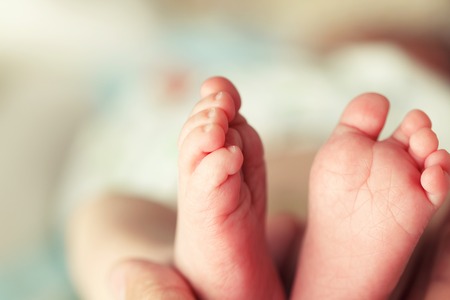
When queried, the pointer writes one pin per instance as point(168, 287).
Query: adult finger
point(144, 280)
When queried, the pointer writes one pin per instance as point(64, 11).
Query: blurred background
point(93, 93)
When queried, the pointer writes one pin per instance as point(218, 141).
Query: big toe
point(365, 114)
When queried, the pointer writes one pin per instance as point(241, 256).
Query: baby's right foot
point(369, 203)
point(220, 241)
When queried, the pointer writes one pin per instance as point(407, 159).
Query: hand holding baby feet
point(370, 201)
point(220, 243)
point(137, 279)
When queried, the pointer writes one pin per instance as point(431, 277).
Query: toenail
point(207, 127)
point(219, 96)
point(232, 149)
point(212, 112)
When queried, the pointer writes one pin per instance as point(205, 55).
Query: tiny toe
point(198, 143)
point(422, 143)
point(222, 100)
point(216, 167)
point(367, 114)
point(212, 115)
point(413, 122)
point(233, 138)
point(435, 182)
point(214, 85)
point(440, 157)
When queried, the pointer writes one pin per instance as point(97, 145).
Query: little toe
point(218, 178)
point(435, 177)
point(413, 122)
point(216, 167)
point(212, 115)
point(422, 143)
point(214, 85)
point(440, 157)
point(365, 114)
point(435, 182)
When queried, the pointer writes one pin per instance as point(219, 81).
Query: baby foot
point(220, 241)
point(369, 203)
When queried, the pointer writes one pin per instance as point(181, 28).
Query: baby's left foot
point(370, 201)
point(220, 242)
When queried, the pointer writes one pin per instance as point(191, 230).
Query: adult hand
point(141, 279)
point(137, 279)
